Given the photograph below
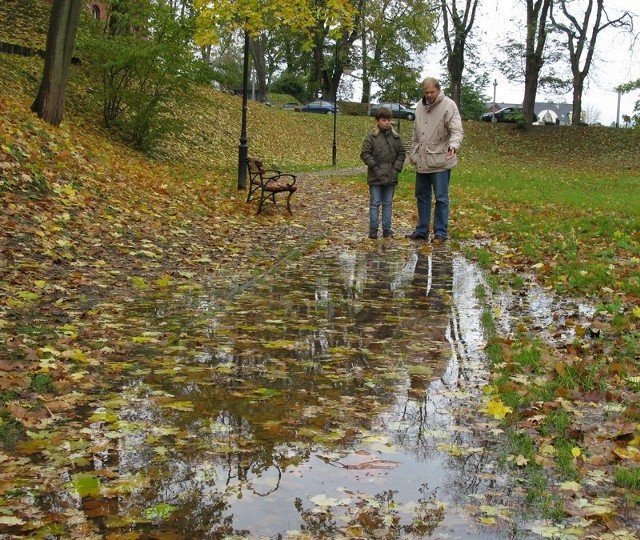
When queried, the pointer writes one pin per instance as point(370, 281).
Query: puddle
point(335, 398)
point(557, 320)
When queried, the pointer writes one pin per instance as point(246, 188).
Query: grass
point(628, 477)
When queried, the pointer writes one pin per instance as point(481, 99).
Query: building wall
point(97, 8)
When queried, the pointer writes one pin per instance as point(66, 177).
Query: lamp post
point(243, 148)
point(495, 83)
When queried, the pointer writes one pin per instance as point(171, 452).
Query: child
point(383, 153)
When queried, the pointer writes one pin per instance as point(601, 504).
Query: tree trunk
point(318, 73)
point(61, 37)
point(455, 65)
point(576, 110)
point(259, 64)
point(537, 14)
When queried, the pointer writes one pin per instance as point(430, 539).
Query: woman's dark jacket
point(383, 153)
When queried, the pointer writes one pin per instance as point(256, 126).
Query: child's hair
point(384, 112)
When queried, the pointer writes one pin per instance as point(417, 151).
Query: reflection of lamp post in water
point(495, 83)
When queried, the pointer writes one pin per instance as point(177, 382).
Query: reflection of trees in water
point(319, 349)
point(222, 461)
point(374, 516)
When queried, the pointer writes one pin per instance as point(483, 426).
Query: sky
point(613, 64)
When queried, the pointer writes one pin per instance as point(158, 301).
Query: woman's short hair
point(384, 112)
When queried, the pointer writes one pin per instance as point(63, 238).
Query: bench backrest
point(255, 167)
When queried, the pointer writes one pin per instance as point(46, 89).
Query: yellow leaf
point(163, 281)
point(49, 350)
point(11, 521)
point(27, 295)
point(636, 312)
point(144, 339)
point(451, 449)
point(74, 354)
point(139, 283)
point(596, 507)
point(179, 405)
point(629, 452)
point(575, 451)
point(570, 486)
point(521, 461)
point(488, 520)
point(497, 409)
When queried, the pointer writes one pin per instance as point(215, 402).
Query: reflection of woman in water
point(430, 293)
point(431, 284)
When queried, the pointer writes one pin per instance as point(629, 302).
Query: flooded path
point(335, 397)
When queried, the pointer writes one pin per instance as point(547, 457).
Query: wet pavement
point(335, 397)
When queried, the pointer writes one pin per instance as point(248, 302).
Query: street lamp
point(495, 83)
point(243, 148)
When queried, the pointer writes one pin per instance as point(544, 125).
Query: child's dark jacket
point(383, 153)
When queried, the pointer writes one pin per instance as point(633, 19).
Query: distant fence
point(12, 48)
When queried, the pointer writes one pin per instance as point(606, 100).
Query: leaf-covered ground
point(87, 225)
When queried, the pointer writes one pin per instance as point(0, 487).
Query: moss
point(11, 431)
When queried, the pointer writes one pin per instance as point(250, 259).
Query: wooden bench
point(267, 183)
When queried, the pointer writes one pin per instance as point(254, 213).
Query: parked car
point(321, 107)
point(291, 106)
point(397, 110)
point(506, 114)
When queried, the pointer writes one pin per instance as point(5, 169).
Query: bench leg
point(260, 204)
point(288, 202)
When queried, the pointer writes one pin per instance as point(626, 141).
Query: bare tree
point(537, 16)
point(591, 115)
point(457, 27)
point(61, 38)
point(581, 38)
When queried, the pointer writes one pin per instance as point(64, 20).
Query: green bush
point(289, 83)
point(143, 73)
